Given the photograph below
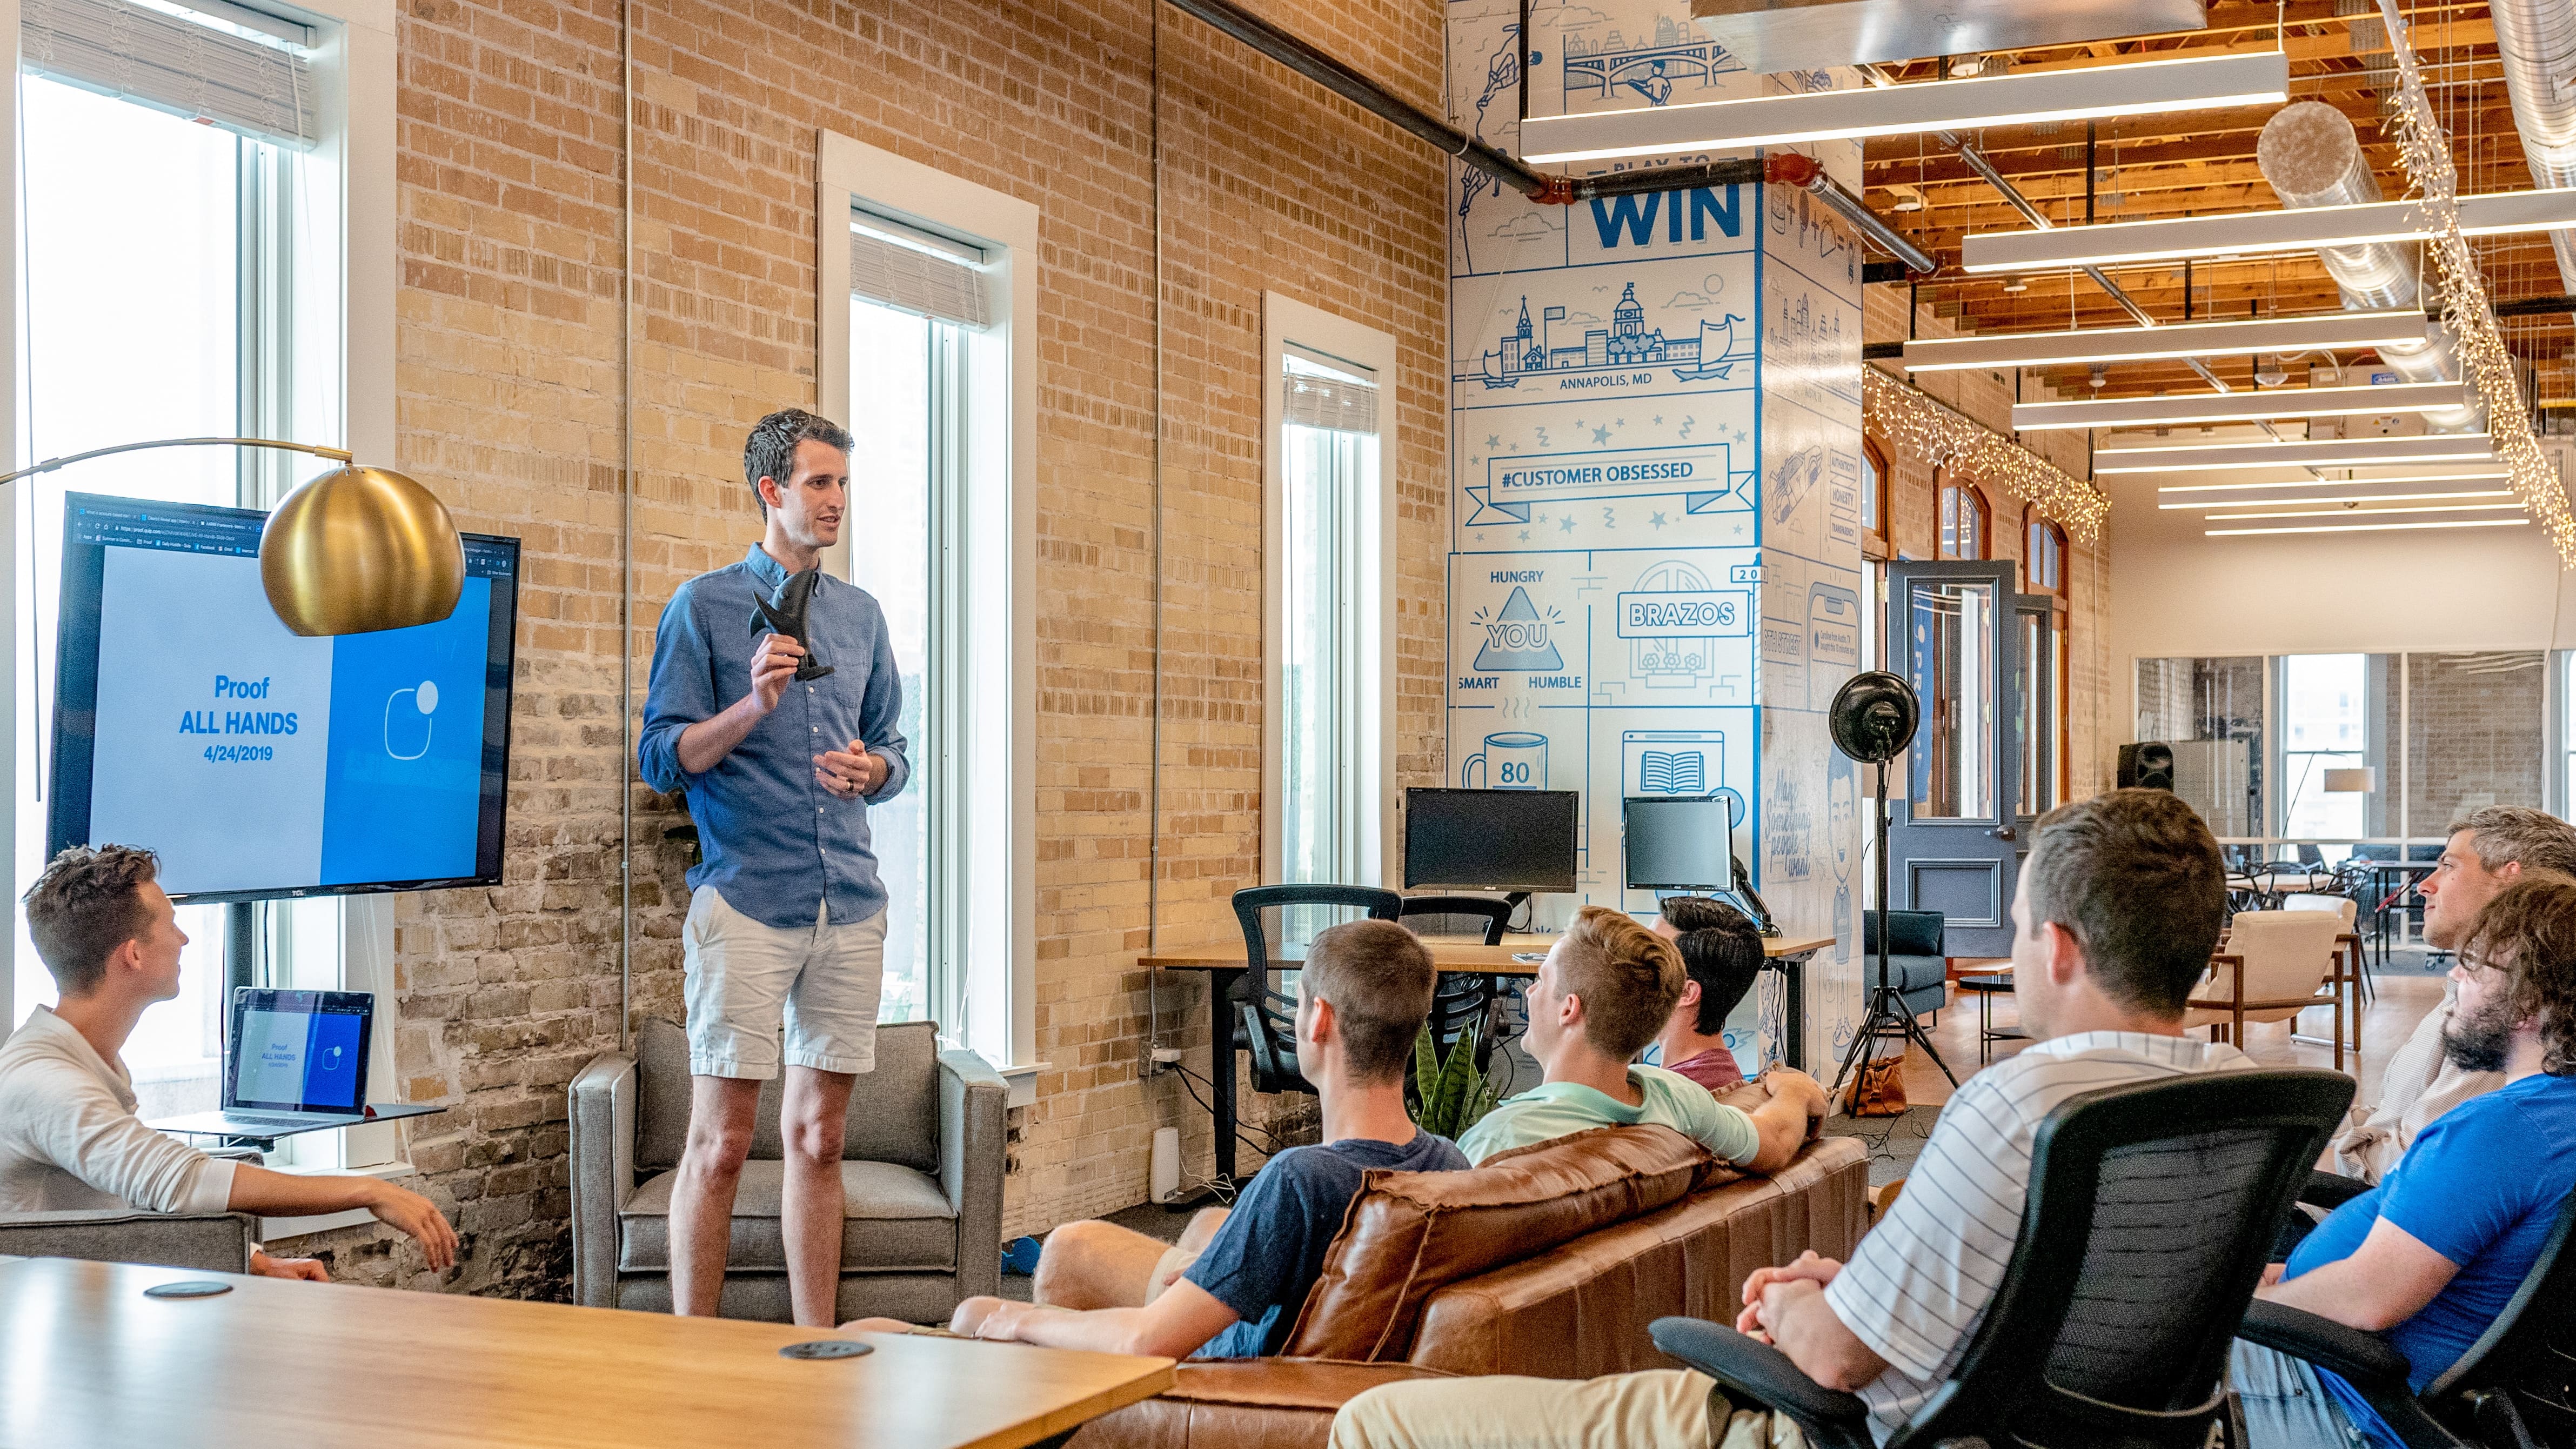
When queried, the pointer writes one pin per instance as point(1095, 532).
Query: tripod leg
point(1914, 1029)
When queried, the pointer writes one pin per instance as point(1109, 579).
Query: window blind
point(1317, 391)
point(912, 270)
point(171, 64)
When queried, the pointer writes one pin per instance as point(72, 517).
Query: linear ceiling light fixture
point(2206, 504)
point(2466, 475)
point(2358, 512)
point(2145, 88)
point(2285, 402)
point(2297, 453)
point(2329, 330)
point(2369, 527)
point(2258, 233)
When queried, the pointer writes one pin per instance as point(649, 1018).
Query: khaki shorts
point(744, 980)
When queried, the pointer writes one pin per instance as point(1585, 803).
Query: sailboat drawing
point(1716, 348)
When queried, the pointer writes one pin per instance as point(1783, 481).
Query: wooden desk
point(1226, 965)
point(86, 1359)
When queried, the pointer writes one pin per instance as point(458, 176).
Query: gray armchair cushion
point(603, 1173)
point(894, 1110)
point(212, 1242)
point(896, 1218)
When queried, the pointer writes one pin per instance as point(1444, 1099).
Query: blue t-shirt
point(1271, 1249)
point(2482, 1186)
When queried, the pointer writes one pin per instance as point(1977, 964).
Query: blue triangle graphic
point(1516, 641)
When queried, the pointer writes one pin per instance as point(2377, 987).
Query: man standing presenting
point(778, 744)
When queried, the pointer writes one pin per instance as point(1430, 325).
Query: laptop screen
point(299, 1051)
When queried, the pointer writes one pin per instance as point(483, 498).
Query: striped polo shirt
point(1915, 1288)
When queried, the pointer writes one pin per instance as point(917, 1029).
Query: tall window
point(2044, 558)
point(1328, 473)
point(916, 299)
point(1964, 526)
point(1875, 498)
point(181, 280)
point(2324, 727)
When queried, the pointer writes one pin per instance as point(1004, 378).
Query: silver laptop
point(294, 1061)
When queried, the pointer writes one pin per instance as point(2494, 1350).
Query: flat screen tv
point(257, 763)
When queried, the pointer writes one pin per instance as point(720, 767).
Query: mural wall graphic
point(1654, 570)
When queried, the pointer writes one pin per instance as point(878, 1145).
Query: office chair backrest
point(1268, 1016)
point(1481, 916)
point(2528, 1355)
point(2151, 1212)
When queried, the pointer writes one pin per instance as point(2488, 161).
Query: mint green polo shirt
point(1671, 1100)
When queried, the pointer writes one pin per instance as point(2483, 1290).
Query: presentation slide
point(308, 1057)
point(256, 760)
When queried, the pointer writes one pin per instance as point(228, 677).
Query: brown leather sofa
point(1549, 1261)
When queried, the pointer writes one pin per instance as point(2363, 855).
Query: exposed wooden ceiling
point(2202, 162)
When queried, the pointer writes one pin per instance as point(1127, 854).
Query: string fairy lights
point(2424, 149)
point(1921, 426)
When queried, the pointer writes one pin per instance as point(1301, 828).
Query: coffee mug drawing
point(1516, 759)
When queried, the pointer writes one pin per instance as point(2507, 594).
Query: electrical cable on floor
point(1270, 1149)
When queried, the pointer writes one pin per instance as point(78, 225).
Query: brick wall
point(2093, 726)
point(508, 377)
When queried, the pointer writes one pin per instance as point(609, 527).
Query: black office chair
point(2514, 1389)
point(2151, 1213)
point(1270, 1017)
point(1461, 1000)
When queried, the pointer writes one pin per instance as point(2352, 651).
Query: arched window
point(1966, 527)
point(2044, 556)
point(1876, 498)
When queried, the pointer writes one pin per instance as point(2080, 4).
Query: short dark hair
point(2529, 932)
point(2137, 878)
point(88, 902)
point(1698, 913)
point(770, 451)
point(2502, 835)
point(1379, 978)
point(1724, 960)
point(1628, 977)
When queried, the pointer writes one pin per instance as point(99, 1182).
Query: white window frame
point(985, 879)
point(350, 172)
point(1285, 320)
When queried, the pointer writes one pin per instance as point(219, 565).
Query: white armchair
point(2271, 966)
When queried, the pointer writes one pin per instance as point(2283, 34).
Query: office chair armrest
point(1755, 1375)
point(2331, 1190)
point(973, 1158)
point(2362, 1358)
point(602, 1152)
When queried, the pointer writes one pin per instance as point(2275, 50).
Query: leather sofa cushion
point(894, 1109)
point(1408, 1234)
point(896, 1219)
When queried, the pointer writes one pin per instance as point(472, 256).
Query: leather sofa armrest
point(209, 1242)
point(603, 1172)
point(1254, 1403)
point(973, 1156)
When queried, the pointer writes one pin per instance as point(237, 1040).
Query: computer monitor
point(1490, 840)
point(298, 1051)
point(1680, 843)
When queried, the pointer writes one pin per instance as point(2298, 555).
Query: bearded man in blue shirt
point(779, 743)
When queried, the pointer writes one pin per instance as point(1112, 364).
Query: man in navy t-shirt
point(1232, 1286)
point(2436, 1251)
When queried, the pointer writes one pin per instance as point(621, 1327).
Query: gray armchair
point(209, 1242)
point(922, 1162)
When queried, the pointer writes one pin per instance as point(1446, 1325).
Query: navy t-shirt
point(1271, 1249)
point(2482, 1186)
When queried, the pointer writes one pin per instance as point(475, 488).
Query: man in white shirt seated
point(1606, 988)
point(69, 1138)
point(2114, 920)
point(2488, 850)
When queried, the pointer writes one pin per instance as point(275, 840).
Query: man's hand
point(416, 1216)
point(308, 1269)
point(1790, 1082)
point(773, 668)
point(1810, 1268)
point(851, 773)
point(975, 1314)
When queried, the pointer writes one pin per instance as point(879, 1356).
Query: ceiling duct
point(1776, 35)
point(2536, 44)
point(2309, 154)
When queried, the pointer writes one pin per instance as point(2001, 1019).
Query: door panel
point(1954, 835)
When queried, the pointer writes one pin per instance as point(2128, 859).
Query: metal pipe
point(626, 532)
point(2536, 45)
point(1788, 168)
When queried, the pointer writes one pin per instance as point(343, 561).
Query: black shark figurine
point(785, 614)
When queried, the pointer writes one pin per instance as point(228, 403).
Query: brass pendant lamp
point(354, 551)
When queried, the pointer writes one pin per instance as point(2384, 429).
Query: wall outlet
point(1166, 1057)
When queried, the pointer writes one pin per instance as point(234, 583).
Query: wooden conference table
point(86, 1359)
point(1226, 965)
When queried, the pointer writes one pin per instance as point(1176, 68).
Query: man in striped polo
point(2117, 913)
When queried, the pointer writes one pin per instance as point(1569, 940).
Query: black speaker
point(2146, 766)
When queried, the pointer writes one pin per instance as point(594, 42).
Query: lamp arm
point(337, 455)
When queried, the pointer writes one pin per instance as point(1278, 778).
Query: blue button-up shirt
point(776, 844)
